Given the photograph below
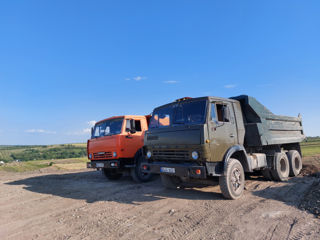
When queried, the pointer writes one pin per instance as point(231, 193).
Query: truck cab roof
point(126, 116)
point(187, 99)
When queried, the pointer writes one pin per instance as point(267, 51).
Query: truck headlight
point(149, 154)
point(195, 155)
point(114, 154)
point(90, 156)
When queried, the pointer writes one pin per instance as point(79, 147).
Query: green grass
point(63, 156)
point(310, 148)
point(69, 163)
point(25, 166)
point(27, 153)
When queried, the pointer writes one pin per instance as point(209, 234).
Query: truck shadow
point(92, 186)
point(294, 192)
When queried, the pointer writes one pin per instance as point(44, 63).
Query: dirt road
point(55, 204)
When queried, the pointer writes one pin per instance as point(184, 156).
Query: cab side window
point(213, 112)
point(128, 125)
point(137, 125)
point(223, 112)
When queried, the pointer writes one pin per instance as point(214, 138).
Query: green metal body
point(265, 128)
point(250, 127)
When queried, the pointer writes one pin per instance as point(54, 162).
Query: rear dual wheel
point(281, 170)
point(286, 164)
point(295, 163)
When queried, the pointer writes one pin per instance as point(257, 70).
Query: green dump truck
point(202, 140)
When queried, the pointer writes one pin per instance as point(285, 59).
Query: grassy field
point(29, 158)
point(73, 156)
point(310, 147)
point(69, 163)
point(28, 153)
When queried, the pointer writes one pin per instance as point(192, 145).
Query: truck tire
point(136, 172)
point(266, 173)
point(295, 162)
point(111, 174)
point(281, 168)
point(232, 183)
point(170, 182)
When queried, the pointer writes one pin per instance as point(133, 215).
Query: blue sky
point(66, 63)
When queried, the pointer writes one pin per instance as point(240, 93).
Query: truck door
point(222, 129)
point(133, 141)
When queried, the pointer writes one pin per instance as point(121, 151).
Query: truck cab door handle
point(231, 135)
point(128, 137)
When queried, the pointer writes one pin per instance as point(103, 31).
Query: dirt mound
point(311, 201)
point(310, 170)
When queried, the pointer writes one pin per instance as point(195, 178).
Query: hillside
point(42, 152)
point(310, 147)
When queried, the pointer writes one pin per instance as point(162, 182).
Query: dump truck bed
point(265, 128)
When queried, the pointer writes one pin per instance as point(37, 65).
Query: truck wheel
point(266, 173)
point(136, 172)
point(281, 171)
point(111, 174)
point(170, 182)
point(232, 183)
point(295, 162)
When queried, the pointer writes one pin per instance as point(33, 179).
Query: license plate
point(167, 170)
point(99, 164)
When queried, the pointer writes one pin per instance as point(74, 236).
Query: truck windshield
point(179, 113)
point(107, 128)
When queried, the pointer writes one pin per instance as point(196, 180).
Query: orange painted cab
point(116, 145)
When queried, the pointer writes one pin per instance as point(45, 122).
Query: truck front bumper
point(179, 170)
point(103, 164)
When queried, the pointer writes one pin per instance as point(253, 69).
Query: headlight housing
point(114, 154)
point(90, 156)
point(195, 155)
point(149, 154)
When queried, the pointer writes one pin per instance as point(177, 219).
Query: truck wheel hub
point(236, 178)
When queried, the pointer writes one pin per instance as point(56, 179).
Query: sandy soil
point(55, 204)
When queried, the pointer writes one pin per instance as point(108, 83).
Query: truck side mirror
point(226, 114)
point(132, 131)
point(91, 131)
point(132, 126)
point(218, 124)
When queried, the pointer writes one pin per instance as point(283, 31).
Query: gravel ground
point(56, 204)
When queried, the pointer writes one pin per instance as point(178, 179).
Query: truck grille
point(170, 155)
point(102, 155)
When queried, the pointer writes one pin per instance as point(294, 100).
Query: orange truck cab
point(116, 145)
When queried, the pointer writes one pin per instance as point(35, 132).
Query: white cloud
point(139, 78)
point(40, 131)
point(170, 82)
point(230, 86)
point(84, 131)
point(136, 78)
point(92, 123)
